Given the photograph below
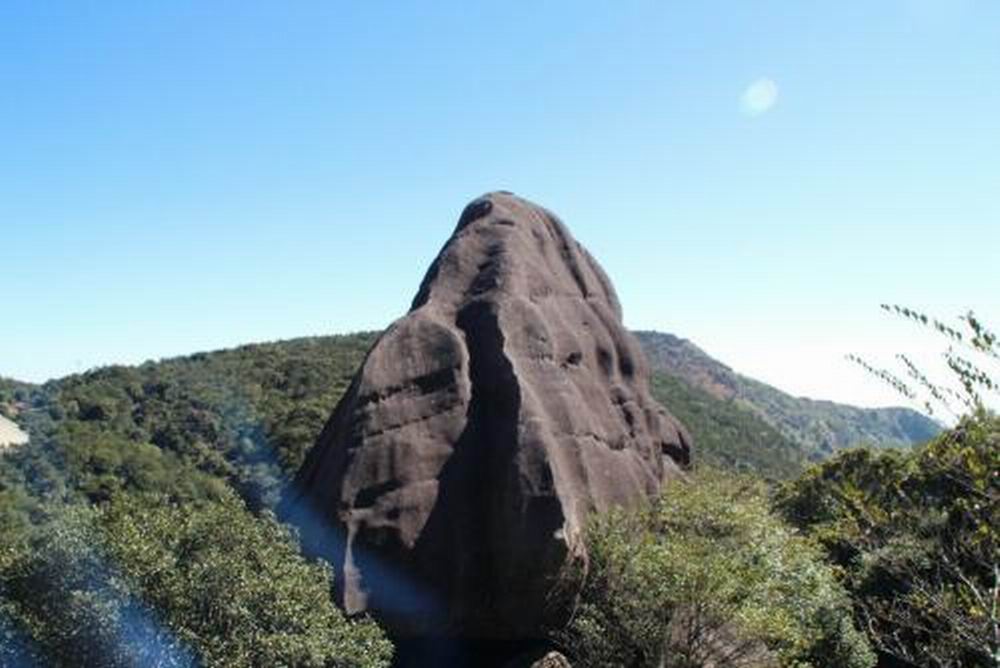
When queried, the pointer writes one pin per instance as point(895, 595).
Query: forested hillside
point(726, 434)
point(14, 395)
point(915, 536)
point(165, 444)
point(819, 427)
point(123, 541)
point(246, 416)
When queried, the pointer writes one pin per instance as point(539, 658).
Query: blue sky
point(758, 177)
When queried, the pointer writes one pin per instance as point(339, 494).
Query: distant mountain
point(243, 417)
point(247, 416)
point(819, 427)
point(727, 434)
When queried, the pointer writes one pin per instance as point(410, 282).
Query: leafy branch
point(972, 349)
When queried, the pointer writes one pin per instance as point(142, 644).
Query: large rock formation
point(450, 486)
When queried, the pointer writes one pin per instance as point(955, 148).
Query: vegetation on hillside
point(144, 581)
point(916, 538)
point(727, 435)
point(826, 427)
point(244, 416)
point(916, 535)
point(15, 394)
point(125, 541)
point(895, 550)
point(709, 576)
point(818, 427)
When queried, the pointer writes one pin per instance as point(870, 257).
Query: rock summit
point(450, 487)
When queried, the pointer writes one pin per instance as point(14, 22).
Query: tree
point(915, 536)
point(926, 574)
point(972, 357)
point(709, 576)
point(146, 581)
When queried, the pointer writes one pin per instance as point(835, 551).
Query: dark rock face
point(451, 484)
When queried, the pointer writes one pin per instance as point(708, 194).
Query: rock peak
point(450, 487)
point(511, 247)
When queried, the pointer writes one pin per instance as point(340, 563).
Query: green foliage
point(818, 428)
point(167, 566)
point(972, 358)
point(246, 417)
point(726, 434)
point(145, 581)
point(916, 538)
point(709, 576)
point(14, 395)
point(183, 427)
point(82, 462)
point(193, 574)
point(826, 427)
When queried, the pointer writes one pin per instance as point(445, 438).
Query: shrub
point(143, 581)
point(709, 576)
point(915, 537)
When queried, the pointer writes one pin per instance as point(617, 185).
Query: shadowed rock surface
point(450, 486)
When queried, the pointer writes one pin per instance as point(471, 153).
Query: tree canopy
point(916, 538)
point(709, 576)
point(143, 580)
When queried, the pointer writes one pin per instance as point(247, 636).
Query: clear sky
point(178, 176)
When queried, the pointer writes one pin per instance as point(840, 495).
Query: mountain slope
point(243, 416)
point(727, 434)
point(14, 394)
point(246, 416)
point(821, 427)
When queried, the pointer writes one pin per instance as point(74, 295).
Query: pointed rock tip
point(486, 203)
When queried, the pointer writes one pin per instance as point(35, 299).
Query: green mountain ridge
point(819, 427)
point(243, 417)
point(726, 434)
point(186, 432)
point(247, 415)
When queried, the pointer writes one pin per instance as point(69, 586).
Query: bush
point(143, 581)
point(916, 537)
point(709, 576)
